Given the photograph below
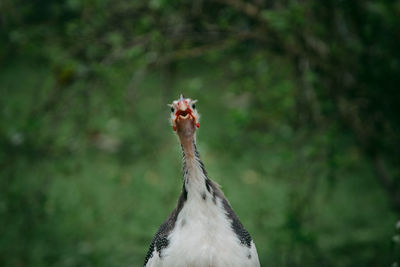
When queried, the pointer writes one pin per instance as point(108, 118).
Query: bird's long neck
point(196, 182)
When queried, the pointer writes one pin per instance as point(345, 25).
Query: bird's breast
point(203, 236)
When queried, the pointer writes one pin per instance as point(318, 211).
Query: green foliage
point(300, 126)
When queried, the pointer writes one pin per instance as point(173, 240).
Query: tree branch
point(247, 8)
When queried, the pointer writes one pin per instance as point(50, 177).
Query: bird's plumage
point(203, 230)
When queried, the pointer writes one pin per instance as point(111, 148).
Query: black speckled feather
point(236, 225)
point(161, 241)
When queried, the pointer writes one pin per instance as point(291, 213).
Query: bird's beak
point(182, 105)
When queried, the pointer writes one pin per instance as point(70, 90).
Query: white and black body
point(203, 230)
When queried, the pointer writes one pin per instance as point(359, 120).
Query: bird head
point(184, 116)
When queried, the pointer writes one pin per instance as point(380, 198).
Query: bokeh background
point(300, 106)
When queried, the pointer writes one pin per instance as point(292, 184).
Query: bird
point(202, 230)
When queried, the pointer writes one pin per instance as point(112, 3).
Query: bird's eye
point(193, 106)
point(172, 109)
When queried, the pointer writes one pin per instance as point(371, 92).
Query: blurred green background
point(300, 106)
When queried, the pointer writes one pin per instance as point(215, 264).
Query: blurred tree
point(309, 93)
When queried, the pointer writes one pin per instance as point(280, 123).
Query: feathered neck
point(194, 173)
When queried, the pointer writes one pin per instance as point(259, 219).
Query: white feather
point(203, 236)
